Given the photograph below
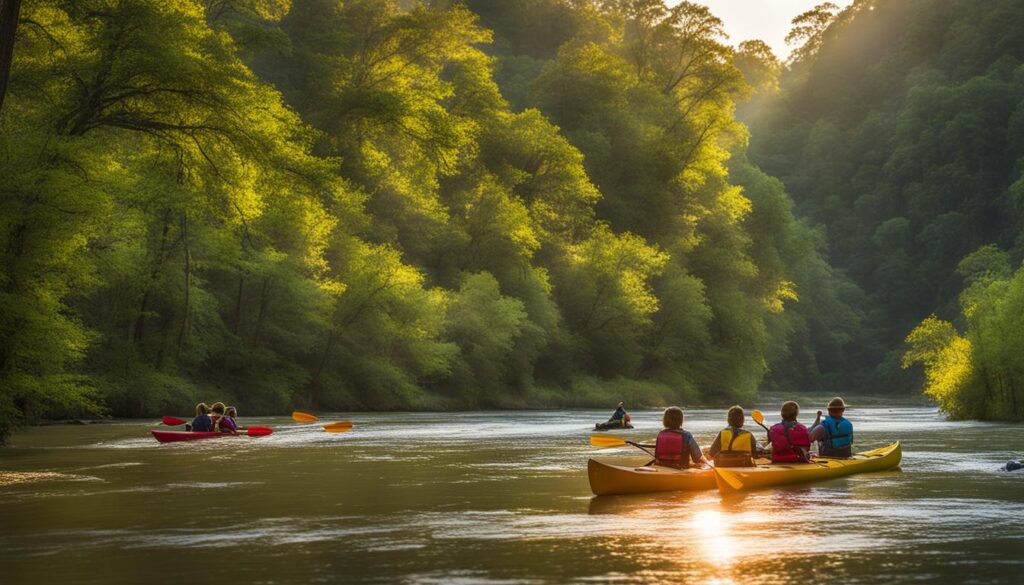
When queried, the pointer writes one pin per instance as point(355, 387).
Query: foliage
point(897, 130)
point(334, 205)
point(977, 375)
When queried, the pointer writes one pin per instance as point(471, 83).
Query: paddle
point(338, 427)
point(258, 431)
point(758, 418)
point(729, 478)
point(299, 416)
point(171, 421)
point(605, 441)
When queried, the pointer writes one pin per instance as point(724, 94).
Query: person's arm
point(716, 446)
point(695, 453)
point(817, 433)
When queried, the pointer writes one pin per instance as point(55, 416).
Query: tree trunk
point(264, 301)
point(323, 360)
point(237, 326)
point(9, 10)
point(135, 334)
point(187, 314)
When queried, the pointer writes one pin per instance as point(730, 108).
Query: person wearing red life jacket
point(791, 443)
point(674, 446)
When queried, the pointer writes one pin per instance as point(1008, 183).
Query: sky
point(768, 20)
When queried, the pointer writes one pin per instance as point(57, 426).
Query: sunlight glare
point(718, 546)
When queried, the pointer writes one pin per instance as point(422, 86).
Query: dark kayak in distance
point(611, 426)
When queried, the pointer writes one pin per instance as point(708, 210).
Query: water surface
point(493, 498)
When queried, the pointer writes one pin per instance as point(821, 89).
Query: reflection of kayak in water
point(747, 478)
point(611, 426)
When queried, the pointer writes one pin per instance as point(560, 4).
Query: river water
point(493, 498)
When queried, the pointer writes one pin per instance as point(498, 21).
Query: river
point(493, 498)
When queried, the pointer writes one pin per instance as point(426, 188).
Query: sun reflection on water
point(713, 531)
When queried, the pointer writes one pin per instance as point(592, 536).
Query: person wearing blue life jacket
point(620, 416)
point(202, 423)
point(834, 433)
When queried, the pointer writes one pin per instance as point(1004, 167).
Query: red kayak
point(176, 436)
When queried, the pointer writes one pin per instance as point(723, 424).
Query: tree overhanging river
point(493, 498)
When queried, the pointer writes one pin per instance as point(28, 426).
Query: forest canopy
point(902, 135)
point(373, 204)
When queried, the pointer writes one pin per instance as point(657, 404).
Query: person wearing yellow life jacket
point(734, 446)
point(674, 446)
point(835, 433)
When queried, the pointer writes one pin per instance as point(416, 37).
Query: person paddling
point(228, 424)
point(675, 447)
point(791, 443)
point(734, 446)
point(619, 416)
point(202, 423)
point(220, 422)
point(834, 434)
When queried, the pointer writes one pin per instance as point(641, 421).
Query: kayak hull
point(178, 436)
point(735, 479)
point(610, 426)
point(607, 479)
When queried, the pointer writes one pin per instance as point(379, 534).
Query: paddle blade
point(171, 421)
point(338, 427)
point(299, 416)
point(757, 416)
point(729, 478)
point(258, 431)
point(603, 441)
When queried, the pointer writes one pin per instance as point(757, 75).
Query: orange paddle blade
point(299, 416)
point(606, 441)
point(338, 427)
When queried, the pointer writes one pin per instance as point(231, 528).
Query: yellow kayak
point(734, 479)
point(607, 479)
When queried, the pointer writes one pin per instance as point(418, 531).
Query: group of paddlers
point(214, 419)
point(789, 440)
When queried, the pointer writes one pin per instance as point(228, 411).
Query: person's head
point(202, 408)
point(673, 418)
point(735, 417)
point(790, 410)
point(621, 404)
point(218, 408)
point(231, 411)
point(836, 407)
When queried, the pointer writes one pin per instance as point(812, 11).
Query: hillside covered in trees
point(902, 134)
point(372, 204)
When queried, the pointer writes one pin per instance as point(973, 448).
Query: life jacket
point(785, 441)
point(737, 448)
point(838, 441)
point(202, 423)
point(671, 449)
point(228, 424)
